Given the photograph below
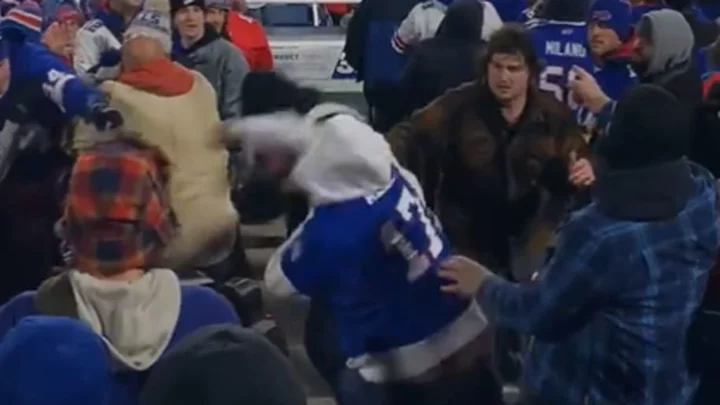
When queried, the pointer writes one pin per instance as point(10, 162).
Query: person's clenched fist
point(586, 91)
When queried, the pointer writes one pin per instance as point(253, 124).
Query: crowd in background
point(531, 202)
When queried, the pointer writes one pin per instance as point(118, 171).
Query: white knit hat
point(152, 24)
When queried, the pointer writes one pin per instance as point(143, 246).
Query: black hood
point(464, 20)
point(565, 10)
point(221, 365)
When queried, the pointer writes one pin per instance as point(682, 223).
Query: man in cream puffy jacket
point(174, 109)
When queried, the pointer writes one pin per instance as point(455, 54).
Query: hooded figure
point(370, 249)
point(630, 272)
point(117, 224)
point(459, 39)
point(227, 365)
point(672, 43)
point(663, 56)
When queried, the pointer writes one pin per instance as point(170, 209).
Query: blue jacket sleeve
point(605, 116)
point(61, 86)
point(547, 307)
point(302, 264)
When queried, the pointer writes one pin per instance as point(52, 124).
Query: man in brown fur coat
point(509, 157)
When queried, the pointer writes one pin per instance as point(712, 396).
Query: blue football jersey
point(374, 261)
point(560, 45)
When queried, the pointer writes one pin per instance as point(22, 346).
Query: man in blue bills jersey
point(37, 87)
point(610, 39)
point(370, 249)
point(559, 33)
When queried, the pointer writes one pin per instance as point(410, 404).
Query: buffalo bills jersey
point(374, 261)
point(45, 87)
point(560, 45)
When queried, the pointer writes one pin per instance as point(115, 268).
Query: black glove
point(105, 118)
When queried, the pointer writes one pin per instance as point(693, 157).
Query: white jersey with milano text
point(92, 40)
point(424, 19)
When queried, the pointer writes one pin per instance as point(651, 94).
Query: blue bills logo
point(343, 70)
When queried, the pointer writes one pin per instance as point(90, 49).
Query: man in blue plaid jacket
point(610, 313)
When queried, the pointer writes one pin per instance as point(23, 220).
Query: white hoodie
point(340, 157)
point(136, 320)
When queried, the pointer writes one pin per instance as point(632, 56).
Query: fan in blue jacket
point(37, 87)
point(610, 35)
point(39, 81)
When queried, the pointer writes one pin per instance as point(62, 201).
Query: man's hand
point(586, 91)
point(581, 171)
point(466, 276)
point(59, 39)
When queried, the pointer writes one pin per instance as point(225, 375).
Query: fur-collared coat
point(499, 196)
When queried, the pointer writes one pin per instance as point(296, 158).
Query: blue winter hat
point(25, 19)
point(614, 14)
point(53, 360)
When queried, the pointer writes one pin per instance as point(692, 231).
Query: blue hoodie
point(199, 307)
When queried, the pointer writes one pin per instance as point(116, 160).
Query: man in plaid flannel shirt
point(610, 312)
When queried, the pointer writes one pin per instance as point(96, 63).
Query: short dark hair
point(511, 39)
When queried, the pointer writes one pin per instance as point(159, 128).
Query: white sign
point(315, 62)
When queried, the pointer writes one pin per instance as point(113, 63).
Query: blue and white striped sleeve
point(61, 86)
point(408, 33)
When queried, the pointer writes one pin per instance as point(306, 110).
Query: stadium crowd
point(531, 202)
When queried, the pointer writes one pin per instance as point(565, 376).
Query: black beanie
point(176, 5)
point(223, 365)
point(269, 92)
point(650, 126)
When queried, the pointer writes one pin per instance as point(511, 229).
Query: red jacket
point(709, 81)
point(248, 35)
point(338, 8)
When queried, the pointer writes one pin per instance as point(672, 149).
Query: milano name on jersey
point(560, 45)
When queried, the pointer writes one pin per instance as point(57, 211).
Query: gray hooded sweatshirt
point(136, 320)
point(222, 64)
point(672, 40)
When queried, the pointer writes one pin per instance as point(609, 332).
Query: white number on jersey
point(416, 236)
point(552, 80)
point(54, 85)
